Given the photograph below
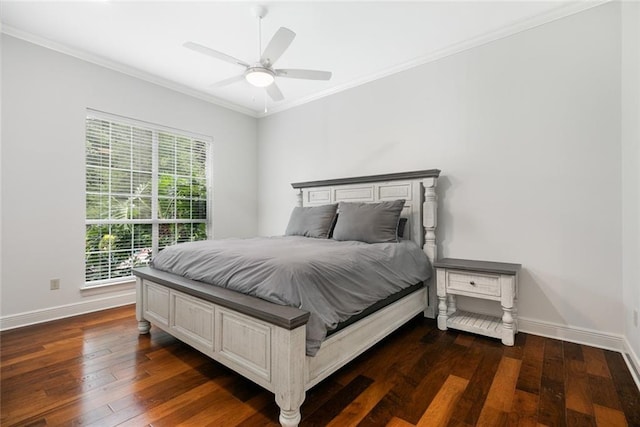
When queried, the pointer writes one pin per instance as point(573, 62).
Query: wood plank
point(357, 409)
point(503, 387)
point(532, 361)
point(607, 417)
point(516, 351)
point(500, 397)
point(400, 350)
point(492, 417)
point(578, 397)
point(627, 391)
point(596, 362)
point(466, 366)
point(224, 409)
point(413, 377)
point(176, 409)
point(319, 395)
point(524, 409)
point(578, 419)
point(603, 392)
point(441, 408)
point(391, 364)
point(141, 404)
point(471, 402)
point(400, 395)
point(427, 389)
point(464, 339)
point(332, 407)
point(552, 393)
point(399, 422)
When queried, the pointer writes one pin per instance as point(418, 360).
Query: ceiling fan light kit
point(259, 76)
point(262, 74)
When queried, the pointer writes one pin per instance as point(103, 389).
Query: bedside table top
point(474, 265)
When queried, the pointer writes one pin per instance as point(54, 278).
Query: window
point(146, 188)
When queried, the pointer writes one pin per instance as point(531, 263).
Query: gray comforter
point(332, 280)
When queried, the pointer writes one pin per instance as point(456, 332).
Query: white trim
point(588, 337)
point(124, 69)
point(574, 334)
point(633, 361)
point(560, 12)
point(109, 285)
point(68, 310)
point(112, 117)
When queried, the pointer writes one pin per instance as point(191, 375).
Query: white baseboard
point(588, 337)
point(46, 315)
point(633, 361)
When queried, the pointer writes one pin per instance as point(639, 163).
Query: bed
point(266, 342)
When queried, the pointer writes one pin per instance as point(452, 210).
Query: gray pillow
point(368, 222)
point(313, 221)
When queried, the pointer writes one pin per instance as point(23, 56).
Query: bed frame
point(265, 342)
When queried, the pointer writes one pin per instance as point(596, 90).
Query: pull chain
point(265, 102)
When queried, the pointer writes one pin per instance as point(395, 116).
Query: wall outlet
point(55, 284)
point(635, 318)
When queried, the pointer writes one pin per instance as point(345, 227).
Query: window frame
point(155, 222)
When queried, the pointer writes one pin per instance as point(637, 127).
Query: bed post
point(143, 325)
point(299, 198)
point(289, 380)
point(429, 221)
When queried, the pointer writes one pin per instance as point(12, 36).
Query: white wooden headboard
point(418, 188)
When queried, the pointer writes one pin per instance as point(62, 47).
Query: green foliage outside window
point(120, 183)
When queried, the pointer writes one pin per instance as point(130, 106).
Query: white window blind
point(146, 188)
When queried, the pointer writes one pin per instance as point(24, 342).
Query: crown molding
point(560, 12)
point(563, 11)
point(124, 69)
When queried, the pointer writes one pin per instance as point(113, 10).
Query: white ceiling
point(358, 41)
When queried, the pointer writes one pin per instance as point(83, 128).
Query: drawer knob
point(472, 283)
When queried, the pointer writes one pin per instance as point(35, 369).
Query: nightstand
point(494, 281)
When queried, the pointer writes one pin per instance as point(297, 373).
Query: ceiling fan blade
point(214, 53)
point(276, 47)
point(303, 74)
point(274, 92)
point(227, 81)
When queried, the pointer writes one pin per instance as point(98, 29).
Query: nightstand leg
point(515, 316)
point(507, 326)
point(451, 305)
point(442, 312)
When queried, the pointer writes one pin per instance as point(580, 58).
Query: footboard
point(265, 342)
point(261, 341)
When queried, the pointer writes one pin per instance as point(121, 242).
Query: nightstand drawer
point(483, 284)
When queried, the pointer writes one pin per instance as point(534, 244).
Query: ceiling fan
point(262, 73)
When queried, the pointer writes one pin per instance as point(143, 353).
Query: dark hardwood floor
point(96, 370)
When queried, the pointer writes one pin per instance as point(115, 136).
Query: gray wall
point(526, 131)
point(44, 99)
point(631, 171)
